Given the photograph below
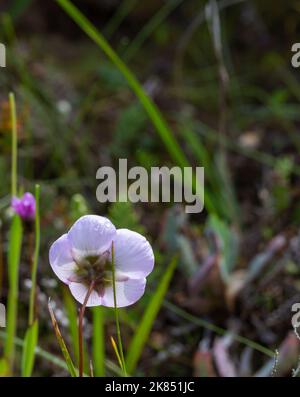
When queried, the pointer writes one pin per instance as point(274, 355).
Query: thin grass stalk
point(14, 248)
point(153, 24)
point(120, 346)
point(32, 301)
point(14, 144)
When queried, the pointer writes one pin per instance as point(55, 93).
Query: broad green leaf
point(30, 342)
point(143, 330)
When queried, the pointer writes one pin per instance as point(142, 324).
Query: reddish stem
point(80, 327)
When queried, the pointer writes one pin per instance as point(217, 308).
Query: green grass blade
point(152, 110)
point(98, 341)
point(61, 342)
point(142, 333)
point(71, 311)
point(30, 342)
point(212, 186)
point(51, 358)
point(14, 252)
point(123, 10)
point(4, 370)
point(18, 7)
point(167, 8)
point(218, 330)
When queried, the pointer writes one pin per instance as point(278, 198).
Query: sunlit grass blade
point(62, 344)
point(14, 252)
point(98, 341)
point(142, 333)
point(4, 370)
point(116, 350)
point(30, 342)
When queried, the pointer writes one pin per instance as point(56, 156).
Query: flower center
point(97, 269)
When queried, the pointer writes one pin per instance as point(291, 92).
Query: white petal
point(133, 254)
point(91, 235)
point(127, 293)
point(79, 292)
point(61, 260)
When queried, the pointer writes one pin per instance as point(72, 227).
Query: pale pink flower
point(83, 256)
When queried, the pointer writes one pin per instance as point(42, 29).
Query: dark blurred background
point(220, 73)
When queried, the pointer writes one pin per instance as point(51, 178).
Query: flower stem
point(32, 302)
point(116, 311)
point(80, 327)
point(14, 146)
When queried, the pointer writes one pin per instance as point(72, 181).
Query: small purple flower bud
point(24, 206)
